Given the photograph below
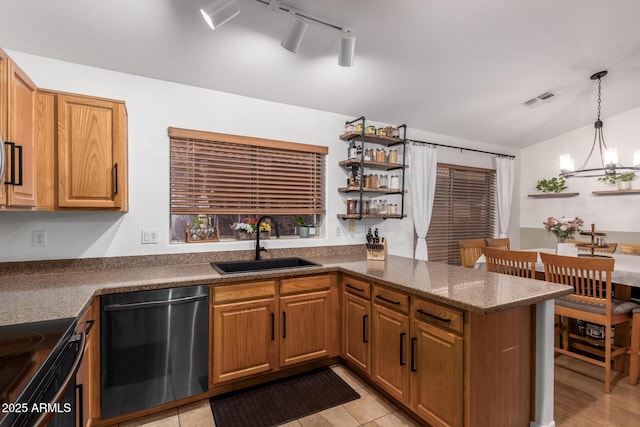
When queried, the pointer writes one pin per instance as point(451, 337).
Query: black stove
point(28, 355)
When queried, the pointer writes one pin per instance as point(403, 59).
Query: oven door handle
point(151, 304)
point(46, 416)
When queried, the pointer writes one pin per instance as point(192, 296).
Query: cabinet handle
point(115, 178)
point(433, 316)
point(364, 328)
point(273, 326)
point(413, 356)
point(284, 324)
point(13, 148)
point(354, 288)
point(390, 301)
point(402, 362)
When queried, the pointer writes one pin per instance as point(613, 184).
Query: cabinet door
point(91, 152)
point(437, 375)
point(244, 339)
point(88, 376)
point(21, 131)
point(4, 64)
point(305, 332)
point(390, 351)
point(357, 331)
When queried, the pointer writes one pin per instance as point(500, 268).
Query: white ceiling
point(455, 67)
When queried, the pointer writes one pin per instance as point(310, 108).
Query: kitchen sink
point(261, 265)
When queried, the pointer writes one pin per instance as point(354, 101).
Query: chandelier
point(608, 156)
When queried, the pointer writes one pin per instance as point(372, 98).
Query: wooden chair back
point(514, 263)
point(501, 243)
point(591, 302)
point(629, 248)
point(470, 251)
point(608, 250)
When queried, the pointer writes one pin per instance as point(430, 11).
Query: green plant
point(299, 221)
point(612, 179)
point(553, 185)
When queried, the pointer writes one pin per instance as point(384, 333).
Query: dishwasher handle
point(153, 304)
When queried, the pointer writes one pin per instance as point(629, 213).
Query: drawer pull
point(433, 316)
point(390, 301)
point(353, 287)
point(284, 324)
point(402, 362)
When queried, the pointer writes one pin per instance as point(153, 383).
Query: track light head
point(297, 27)
point(220, 12)
point(347, 49)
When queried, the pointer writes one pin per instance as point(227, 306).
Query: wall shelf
point(615, 192)
point(372, 164)
point(388, 141)
point(370, 190)
point(552, 195)
point(364, 216)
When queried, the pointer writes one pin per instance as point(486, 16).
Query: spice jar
point(371, 130)
point(365, 206)
point(383, 181)
point(349, 127)
point(394, 182)
point(393, 156)
point(381, 155)
point(359, 127)
point(352, 206)
point(368, 154)
point(393, 209)
point(382, 132)
point(373, 181)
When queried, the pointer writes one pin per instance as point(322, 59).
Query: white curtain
point(505, 171)
point(422, 175)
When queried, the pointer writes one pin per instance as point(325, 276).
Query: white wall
point(609, 213)
point(155, 105)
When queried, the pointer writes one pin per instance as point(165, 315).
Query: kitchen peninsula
point(488, 318)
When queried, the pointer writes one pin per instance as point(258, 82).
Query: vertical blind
point(213, 173)
point(464, 208)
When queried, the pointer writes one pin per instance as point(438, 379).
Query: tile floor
point(370, 410)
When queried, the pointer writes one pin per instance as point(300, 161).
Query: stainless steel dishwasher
point(154, 347)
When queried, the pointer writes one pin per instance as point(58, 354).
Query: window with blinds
point(464, 208)
point(218, 181)
point(223, 174)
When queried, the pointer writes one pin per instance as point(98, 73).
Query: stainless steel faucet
point(258, 247)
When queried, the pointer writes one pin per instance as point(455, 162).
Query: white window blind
point(464, 208)
point(215, 173)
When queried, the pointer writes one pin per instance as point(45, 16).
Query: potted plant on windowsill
point(302, 226)
point(622, 180)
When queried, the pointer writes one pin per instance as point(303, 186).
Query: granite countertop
point(38, 297)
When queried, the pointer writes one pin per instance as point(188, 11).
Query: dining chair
point(611, 247)
point(470, 251)
point(515, 263)
point(592, 302)
point(502, 243)
point(629, 248)
point(635, 348)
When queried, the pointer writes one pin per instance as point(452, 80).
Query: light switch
point(150, 236)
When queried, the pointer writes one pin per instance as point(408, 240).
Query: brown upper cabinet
point(17, 115)
point(82, 152)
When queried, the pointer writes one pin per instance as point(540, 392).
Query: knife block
point(377, 251)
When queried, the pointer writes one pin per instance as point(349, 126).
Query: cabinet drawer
point(243, 291)
point(438, 315)
point(304, 284)
point(357, 287)
point(395, 300)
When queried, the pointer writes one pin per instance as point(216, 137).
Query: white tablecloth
point(626, 270)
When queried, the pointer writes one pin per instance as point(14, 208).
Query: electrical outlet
point(39, 238)
point(150, 236)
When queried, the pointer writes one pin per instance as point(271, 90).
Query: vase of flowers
point(246, 230)
point(563, 228)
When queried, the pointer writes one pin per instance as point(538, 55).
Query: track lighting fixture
point(220, 12)
point(292, 39)
point(347, 49)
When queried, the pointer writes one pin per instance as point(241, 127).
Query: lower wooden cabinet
point(309, 313)
point(243, 329)
point(88, 375)
point(436, 365)
point(356, 331)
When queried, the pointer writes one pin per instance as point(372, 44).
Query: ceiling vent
point(539, 100)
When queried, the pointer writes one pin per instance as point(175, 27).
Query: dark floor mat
point(282, 401)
